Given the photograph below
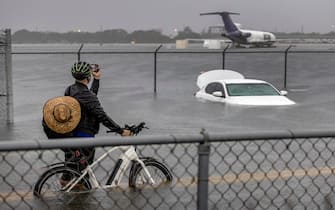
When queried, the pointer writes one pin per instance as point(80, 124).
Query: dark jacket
point(92, 113)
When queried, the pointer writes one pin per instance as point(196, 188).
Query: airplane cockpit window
point(267, 37)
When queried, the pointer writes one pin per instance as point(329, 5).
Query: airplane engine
point(246, 35)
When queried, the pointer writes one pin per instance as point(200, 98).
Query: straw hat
point(62, 114)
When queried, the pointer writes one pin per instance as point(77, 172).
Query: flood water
point(127, 88)
point(127, 94)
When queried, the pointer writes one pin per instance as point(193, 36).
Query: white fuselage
point(259, 37)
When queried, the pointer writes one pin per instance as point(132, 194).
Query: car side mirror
point(217, 94)
point(283, 92)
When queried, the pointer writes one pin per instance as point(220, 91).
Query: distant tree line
point(139, 36)
point(106, 36)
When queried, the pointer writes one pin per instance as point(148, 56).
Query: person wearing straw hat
point(79, 114)
point(92, 113)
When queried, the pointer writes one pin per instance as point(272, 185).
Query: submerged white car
point(231, 87)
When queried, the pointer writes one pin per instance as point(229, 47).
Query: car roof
point(218, 74)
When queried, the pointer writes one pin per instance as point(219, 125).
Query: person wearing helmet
point(92, 113)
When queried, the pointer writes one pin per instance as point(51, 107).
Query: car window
point(251, 90)
point(214, 86)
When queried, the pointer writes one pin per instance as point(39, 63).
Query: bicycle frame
point(124, 161)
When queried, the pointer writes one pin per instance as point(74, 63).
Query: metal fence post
point(203, 168)
point(155, 67)
point(78, 53)
point(285, 68)
point(9, 83)
point(224, 56)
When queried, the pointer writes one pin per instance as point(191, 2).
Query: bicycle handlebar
point(134, 129)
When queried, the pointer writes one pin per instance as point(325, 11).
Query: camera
point(95, 67)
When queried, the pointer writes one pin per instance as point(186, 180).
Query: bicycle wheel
point(53, 182)
point(158, 171)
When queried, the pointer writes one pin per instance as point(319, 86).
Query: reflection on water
point(112, 198)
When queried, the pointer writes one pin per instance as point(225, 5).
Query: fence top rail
point(41, 144)
point(169, 51)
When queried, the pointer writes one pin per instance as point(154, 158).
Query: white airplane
point(242, 36)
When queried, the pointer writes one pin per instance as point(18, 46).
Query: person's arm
point(96, 82)
point(95, 86)
point(92, 105)
point(111, 125)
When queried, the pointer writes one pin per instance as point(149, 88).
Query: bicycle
point(144, 171)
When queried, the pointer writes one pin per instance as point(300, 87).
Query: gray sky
point(94, 15)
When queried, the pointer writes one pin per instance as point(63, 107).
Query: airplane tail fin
point(228, 23)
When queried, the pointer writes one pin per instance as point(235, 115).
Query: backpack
point(53, 135)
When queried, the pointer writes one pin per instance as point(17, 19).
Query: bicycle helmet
point(81, 70)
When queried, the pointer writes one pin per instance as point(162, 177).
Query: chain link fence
point(277, 170)
point(6, 107)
